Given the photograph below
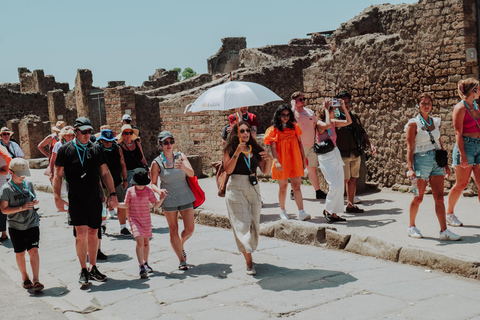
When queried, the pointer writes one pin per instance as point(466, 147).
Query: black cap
point(83, 123)
point(140, 177)
point(164, 135)
point(344, 94)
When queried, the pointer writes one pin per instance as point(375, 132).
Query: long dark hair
point(277, 120)
point(233, 141)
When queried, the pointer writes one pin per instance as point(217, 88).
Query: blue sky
point(128, 40)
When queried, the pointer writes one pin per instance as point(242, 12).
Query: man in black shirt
point(83, 163)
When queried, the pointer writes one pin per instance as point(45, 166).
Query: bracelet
point(234, 157)
point(113, 194)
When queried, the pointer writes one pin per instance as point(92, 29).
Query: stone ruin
point(384, 56)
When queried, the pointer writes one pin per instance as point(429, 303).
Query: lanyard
point(25, 185)
point(338, 113)
point(165, 160)
point(248, 162)
point(474, 105)
point(82, 147)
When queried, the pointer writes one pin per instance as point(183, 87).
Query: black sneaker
point(147, 267)
point(96, 275)
point(101, 255)
point(292, 197)
point(104, 228)
point(319, 194)
point(125, 232)
point(84, 276)
point(143, 272)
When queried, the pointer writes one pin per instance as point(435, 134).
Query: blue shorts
point(425, 165)
point(179, 208)
point(472, 151)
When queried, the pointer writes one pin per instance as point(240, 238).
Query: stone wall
point(385, 57)
point(16, 105)
point(227, 57)
point(37, 81)
point(160, 78)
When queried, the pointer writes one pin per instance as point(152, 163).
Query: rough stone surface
point(32, 130)
point(227, 57)
point(336, 240)
point(83, 85)
point(297, 232)
point(160, 78)
point(371, 246)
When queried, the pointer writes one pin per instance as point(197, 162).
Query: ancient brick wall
point(385, 57)
point(148, 122)
point(16, 105)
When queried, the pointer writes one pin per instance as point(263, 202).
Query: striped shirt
point(139, 209)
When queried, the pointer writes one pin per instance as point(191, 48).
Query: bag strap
point(432, 139)
point(471, 115)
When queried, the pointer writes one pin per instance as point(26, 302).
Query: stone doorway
point(98, 116)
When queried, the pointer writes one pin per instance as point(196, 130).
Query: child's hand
point(163, 194)
point(35, 201)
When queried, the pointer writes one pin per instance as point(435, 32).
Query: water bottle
point(415, 188)
point(104, 211)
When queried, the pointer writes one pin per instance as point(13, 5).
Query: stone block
point(371, 246)
point(336, 240)
point(83, 85)
point(296, 232)
point(196, 162)
point(31, 131)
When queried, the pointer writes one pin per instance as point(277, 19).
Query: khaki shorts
point(119, 190)
point(312, 157)
point(351, 169)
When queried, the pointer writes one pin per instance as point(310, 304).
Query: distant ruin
point(384, 56)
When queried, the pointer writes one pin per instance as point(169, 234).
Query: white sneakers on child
point(413, 232)
point(302, 215)
point(283, 214)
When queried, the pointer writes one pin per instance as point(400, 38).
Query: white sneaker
point(413, 232)
point(283, 214)
point(250, 270)
point(453, 221)
point(112, 214)
point(356, 200)
point(449, 235)
point(302, 215)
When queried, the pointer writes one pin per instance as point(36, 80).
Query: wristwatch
point(113, 194)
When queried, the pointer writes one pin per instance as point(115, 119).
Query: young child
point(17, 201)
point(138, 214)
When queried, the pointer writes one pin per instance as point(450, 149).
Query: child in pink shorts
point(138, 213)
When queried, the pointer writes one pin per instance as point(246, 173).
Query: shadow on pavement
point(117, 257)
point(114, 284)
point(161, 230)
point(50, 292)
point(275, 278)
point(270, 205)
point(216, 270)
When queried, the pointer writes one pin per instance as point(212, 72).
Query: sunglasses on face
point(5, 134)
point(301, 99)
point(245, 130)
point(126, 133)
point(166, 142)
point(85, 131)
point(285, 115)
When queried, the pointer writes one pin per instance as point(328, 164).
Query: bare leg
point(146, 249)
point(122, 216)
point(92, 246)
point(436, 182)
point(351, 186)
point(297, 192)
point(476, 173)
point(248, 258)
point(463, 175)
point(188, 224)
point(81, 245)
point(282, 192)
point(172, 220)
point(140, 249)
point(422, 184)
point(22, 266)
point(312, 175)
point(34, 263)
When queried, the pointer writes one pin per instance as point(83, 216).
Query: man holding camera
point(351, 141)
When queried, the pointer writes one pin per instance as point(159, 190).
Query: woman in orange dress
point(287, 151)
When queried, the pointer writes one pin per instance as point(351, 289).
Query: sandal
point(183, 266)
point(37, 287)
point(328, 216)
point(27, 284)
point(184, 254)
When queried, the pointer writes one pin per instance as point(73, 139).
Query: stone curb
point(310, 234)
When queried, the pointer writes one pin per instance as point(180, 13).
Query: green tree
point(179, 71)
point(188, 73)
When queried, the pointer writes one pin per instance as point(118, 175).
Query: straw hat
point(59, 125)
point(5, 129)
point(127, 127)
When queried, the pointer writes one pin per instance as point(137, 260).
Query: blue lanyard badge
point(25, 185)
point(248, 162)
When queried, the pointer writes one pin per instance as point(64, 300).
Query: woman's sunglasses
point(166, 142)
point(126, 133)
point(245, 130)
point(85, 131)
point(301, 99)
point(285, 115)
point(5, 134)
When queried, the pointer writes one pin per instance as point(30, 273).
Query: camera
point(336, 103)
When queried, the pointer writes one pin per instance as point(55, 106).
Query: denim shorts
point(472, 150)
point(425, 165)
point(179, 208)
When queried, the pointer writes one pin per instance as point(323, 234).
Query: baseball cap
point(20, 167)
point(83, 123)
point(164, 135)
point(126, 117)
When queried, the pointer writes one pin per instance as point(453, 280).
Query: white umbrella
point(231, 95)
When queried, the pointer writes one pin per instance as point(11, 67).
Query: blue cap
point(106, 135)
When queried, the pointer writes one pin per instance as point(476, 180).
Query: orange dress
point(288, 151)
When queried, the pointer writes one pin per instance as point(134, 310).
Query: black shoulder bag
point(441, 156)
point(323, 146)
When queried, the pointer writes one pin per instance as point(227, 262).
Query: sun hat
point(164, 135)
point(107, 135)
point(140, 177)
point(83, 123)
point(5, 129)
point(20, 167)
point(126, 127)
point(127, 117)
point(59, 125)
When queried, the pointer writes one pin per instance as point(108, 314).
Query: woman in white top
point(423, 166)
